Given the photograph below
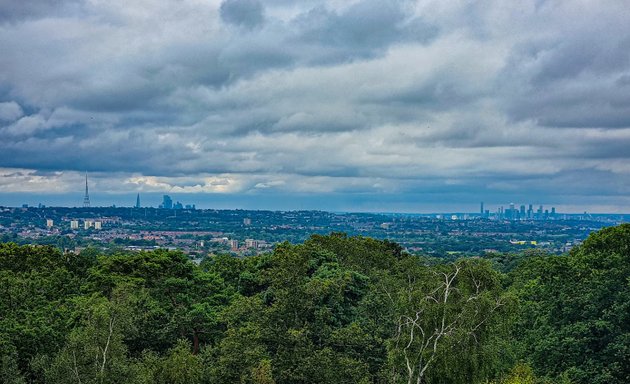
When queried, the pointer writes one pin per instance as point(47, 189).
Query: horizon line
point(474, 214)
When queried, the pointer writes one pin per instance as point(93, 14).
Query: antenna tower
point(86, 198)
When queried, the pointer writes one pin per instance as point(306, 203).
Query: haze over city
point(401, 106)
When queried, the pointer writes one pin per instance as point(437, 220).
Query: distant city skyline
point(374, 203)
point(357, 202)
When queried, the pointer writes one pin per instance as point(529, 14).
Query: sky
point(364, 105)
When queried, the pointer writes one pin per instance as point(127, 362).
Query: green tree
point(576, 310)
point(36, 287)
point(9, 371)
point(94, 351)
point(262, 374)
point(182, 301)
point(445, 316)
point(180, 366)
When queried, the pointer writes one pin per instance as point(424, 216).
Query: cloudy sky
point(364, 105)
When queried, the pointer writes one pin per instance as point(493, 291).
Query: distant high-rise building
point(481, 211)
point(247, 221)
point(167, 202)
point(97, 225)
point(522, 211)
point(553, 211)
point(86, 198)
point(138, 201)
point(49, 223)
point(74, 224)
point(87, 224)
point(234, 245)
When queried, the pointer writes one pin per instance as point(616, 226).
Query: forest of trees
point(335, 309)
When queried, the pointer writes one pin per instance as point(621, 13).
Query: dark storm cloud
point(278, 97)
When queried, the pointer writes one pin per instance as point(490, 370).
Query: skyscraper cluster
point(167, 203)
point(520, 213)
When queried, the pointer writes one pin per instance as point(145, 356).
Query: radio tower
point(86, 198)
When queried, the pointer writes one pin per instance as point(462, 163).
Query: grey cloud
point(593, 182)
point(320, 122)
point(366, 23)
point(10, 111)
point(595, 102)
point(245, 58)
point(602, 144)
point(574, 76)
point(322, 96)
point(113, 100)
point(567, 59)
point(363, 30)
point(440, 93)
point(247, 13)
point(29, 9)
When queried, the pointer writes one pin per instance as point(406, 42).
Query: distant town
point(200, 232)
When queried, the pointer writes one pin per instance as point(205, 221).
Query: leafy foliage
point(335, 309)
point(576, 310)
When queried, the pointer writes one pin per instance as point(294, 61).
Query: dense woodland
point(335, 309)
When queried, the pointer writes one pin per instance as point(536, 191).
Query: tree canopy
point(335, 309)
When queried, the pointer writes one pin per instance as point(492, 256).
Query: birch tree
point(95, 352)
point(443, 314)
